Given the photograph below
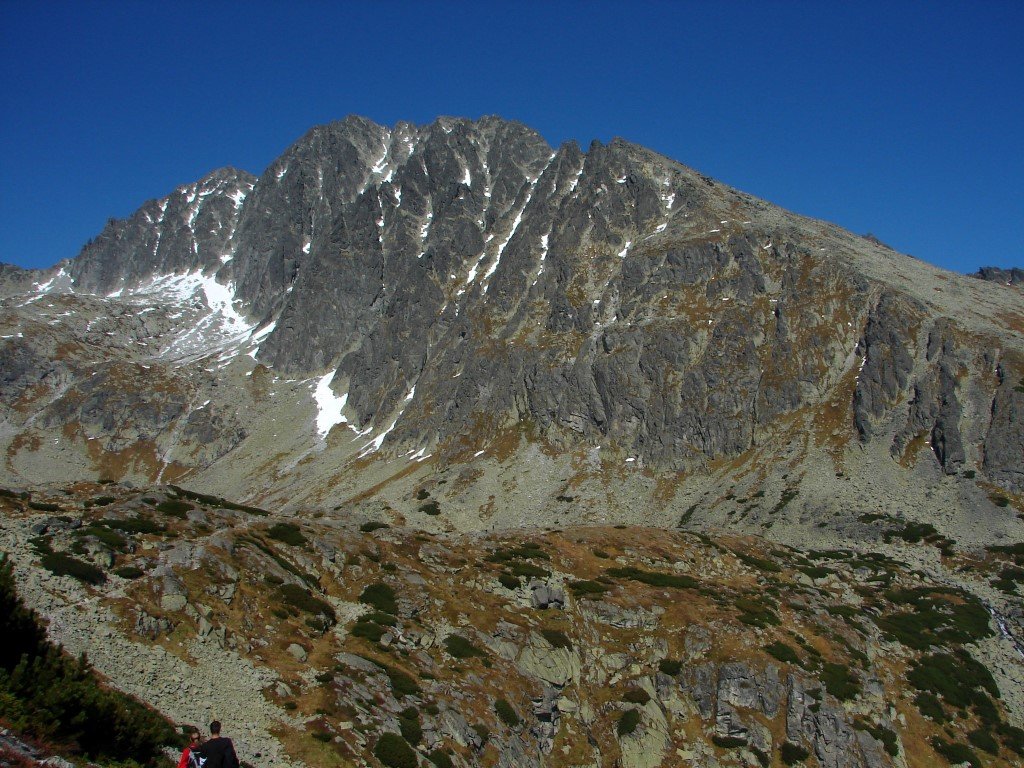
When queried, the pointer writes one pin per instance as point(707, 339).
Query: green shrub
point(129, 572)
point(61, 564)
point(174, 508)
point(955, 677)
point(792, 753)
point(431, 508)
point(761, 563)
point(787, 496)
point(459, 647)
point(482, 731)
point(507, 713)
point(982, 738)
point(304, 600)
point(380, 596)
point(394, 751)
point(440, 759)
point(783, 652)
point(368, 630)
point(729, 742)
point(928, 704)
point(672, 580)
point(955, 753)
point(409, 726)
point(1008, 549)
point(44, 506)
point(528, 551)
point(1013, 737)
point(670, 667)
point(872, 517)
point(402, 684)
point(628, 722)
point(508, 581)
point(373, 525)
point(218, 502)
point(815, 571)
point(755, 614)
point(636, 696)
point(601, 553)
point(912, 533)
point(938, 617)
point(287, 533)
point(379, 617)
point(556, 638)
point(587, 589)
point(47, 695)
point(422, 494)
point(529, 570)
point(839, 681)
point(995, 498)
point(885, 735)
point(135, 525)
point(323, 736)
point(110, 538)
point(1009, 579)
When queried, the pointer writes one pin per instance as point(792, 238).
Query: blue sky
point(905, 120)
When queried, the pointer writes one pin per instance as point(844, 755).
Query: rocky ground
point(312, 639)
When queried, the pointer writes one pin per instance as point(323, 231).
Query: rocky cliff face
point(458, 290)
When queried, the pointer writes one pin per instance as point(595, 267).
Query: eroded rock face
point(1004, 442)
point(556, 666)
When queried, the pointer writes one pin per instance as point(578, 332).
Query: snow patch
point(375, 444)
point(238, 197)
point(624, 251)
point(329, 406)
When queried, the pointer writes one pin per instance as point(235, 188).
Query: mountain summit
point(461, 301)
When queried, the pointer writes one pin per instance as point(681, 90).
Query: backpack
point(196, 759)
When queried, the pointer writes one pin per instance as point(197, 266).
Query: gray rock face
point(1004, 442)
point(732, 697)
point(461, 277)
point(935, 409)
point(1011, 276)
point(14, 280)
point(888, 361)
point(186, 231)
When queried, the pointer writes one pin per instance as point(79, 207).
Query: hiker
point(218, 751)
point(186, 753)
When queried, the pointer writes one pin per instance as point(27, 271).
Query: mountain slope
point(460, 299)
point(313, 640)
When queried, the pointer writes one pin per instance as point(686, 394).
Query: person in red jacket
point(193, 742)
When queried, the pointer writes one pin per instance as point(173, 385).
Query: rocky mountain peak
point(444, 292)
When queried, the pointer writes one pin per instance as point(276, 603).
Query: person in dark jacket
point(218, 751)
